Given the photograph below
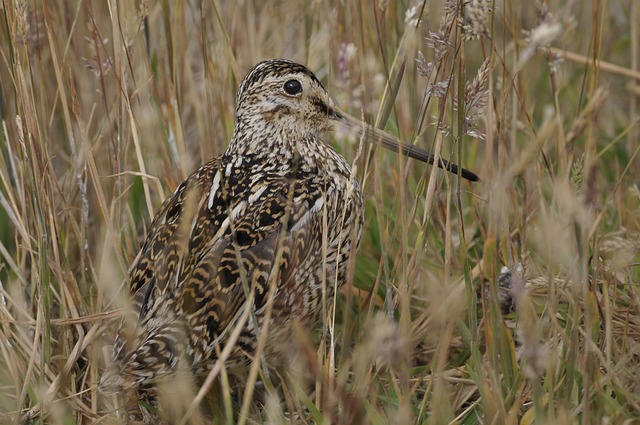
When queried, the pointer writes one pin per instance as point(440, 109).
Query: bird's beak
point(390, 142)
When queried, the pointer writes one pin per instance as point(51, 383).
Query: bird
point(275, 217)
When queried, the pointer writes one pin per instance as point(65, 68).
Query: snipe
point(279, 211)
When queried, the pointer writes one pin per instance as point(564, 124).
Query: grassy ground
point(107, 105)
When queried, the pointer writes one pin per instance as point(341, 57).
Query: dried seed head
point(439, 89)
point(412, 16)
point(476, 91)
point(424, 68)
point(438, 42)
point(477, 19)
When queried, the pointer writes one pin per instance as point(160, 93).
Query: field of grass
point(107, 106)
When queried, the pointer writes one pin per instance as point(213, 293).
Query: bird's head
point(280, 94)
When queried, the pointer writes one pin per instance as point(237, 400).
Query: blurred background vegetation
point(107, 106)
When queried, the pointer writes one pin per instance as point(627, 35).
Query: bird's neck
point(262, 140)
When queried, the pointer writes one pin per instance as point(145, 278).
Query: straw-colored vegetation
point(108, 105)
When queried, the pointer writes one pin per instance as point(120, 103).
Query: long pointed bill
point(389, 142)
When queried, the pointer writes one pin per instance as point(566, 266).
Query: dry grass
point(107, 106)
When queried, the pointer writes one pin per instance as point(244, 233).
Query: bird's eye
point(292, 87)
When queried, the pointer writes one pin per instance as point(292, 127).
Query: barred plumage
point(279, 205)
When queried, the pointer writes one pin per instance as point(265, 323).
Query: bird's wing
point(271, 233)
point(202, 245)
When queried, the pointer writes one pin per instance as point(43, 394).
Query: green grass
point(107, 106)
